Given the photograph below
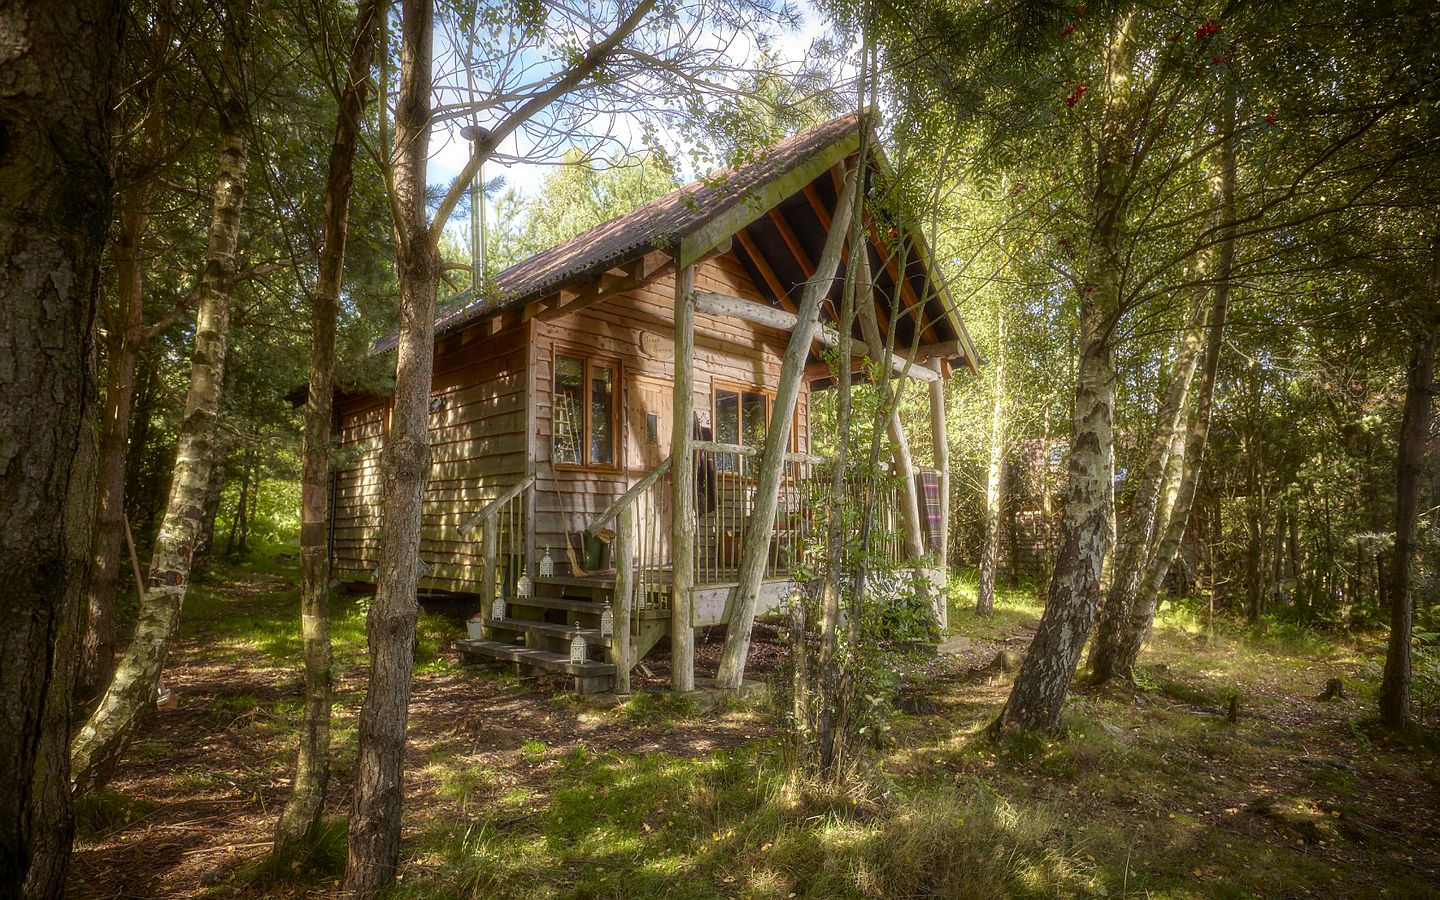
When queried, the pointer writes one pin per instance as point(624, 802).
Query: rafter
point(766, 273)
point(787, 234)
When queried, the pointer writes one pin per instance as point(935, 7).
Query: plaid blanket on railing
point(927, 489)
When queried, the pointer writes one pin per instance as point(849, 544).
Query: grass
point(1150, 792)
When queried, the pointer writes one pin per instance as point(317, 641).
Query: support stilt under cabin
point(596, 424)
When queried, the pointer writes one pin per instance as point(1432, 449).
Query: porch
point(618, 596)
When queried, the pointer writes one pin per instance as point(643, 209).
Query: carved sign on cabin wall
point(657, 346)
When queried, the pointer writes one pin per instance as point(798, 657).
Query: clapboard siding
point(477, 440)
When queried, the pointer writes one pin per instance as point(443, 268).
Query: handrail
point(493, 506)
point(742, 450)
point(635, 490)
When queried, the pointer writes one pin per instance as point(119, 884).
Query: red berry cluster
point(1209, 29)
point(1076, 94)
point(1069, 30)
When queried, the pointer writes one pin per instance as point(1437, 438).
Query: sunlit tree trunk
point(1145, 508)
point(374, 851)
point(1142, 611)
point(103, 738)
point(57, 71)
point(1409, 473)
point(300, 818)
point(994, 483)
point(1040, 688)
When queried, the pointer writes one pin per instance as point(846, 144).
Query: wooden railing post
point(489, 550)
point(624, 592)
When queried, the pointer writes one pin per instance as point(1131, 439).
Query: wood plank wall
point(481, 427)
point(477, 450)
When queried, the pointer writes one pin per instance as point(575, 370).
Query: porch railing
point(502, 524)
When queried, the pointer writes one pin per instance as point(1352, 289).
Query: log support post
point(939, 435)
point(624, 594)
point(682, 483)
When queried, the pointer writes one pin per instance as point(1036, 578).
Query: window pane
point(727, 427)
point(569, 410)
point(602, 410)
point(752, 418)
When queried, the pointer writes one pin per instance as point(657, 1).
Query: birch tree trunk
point(994, 482)
point(57, 70)
point(1141, 616)
point(300, 818)
point(375, 817)
point(1040, 688)
point(767, 491)
point(1144, 511)
point(103, 738)
point(1409, 473)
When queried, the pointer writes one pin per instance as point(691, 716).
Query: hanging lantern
point(578, 652)
point(497, 608)
point(547, 565)
point(522, 586)
point(607, 621)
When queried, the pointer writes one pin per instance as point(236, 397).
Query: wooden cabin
point(553, 414)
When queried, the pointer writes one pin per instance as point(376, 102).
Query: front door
point(648, 408)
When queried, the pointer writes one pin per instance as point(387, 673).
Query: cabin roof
point(707, 212)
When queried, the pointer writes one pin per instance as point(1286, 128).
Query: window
point(741, 417)
point(584, 423)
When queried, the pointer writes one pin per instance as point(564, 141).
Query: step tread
point(541, 659)
point(550, 629)
point(589, 607)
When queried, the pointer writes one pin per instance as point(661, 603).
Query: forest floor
point(516, 791)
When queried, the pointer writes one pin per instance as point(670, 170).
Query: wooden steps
point(551, 630)
point(587, 677)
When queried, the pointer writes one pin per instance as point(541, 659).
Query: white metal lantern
point(547, 565)
point(497, 608)
point(578, 652)
point(522, 586)
point(607, 621)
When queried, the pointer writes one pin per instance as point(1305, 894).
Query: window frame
point(741, 389)
point(590, 361)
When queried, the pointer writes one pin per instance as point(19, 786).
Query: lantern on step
point(522, 586)
point(497, 608)
point(578, 652)
point(607, 621)
point(547, 565)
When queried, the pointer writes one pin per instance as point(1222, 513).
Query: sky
point(449, 151)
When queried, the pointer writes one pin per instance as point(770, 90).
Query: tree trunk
point(105, 735)
point(1040, 688)
point(375, 817)
point(1144, 509)
point(300, 818)
point(761, 527)
point(57, 67)
point(127, 333)
point(1409, 473)
point(1142, 610)
point(830, 725)
point(994, 483)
